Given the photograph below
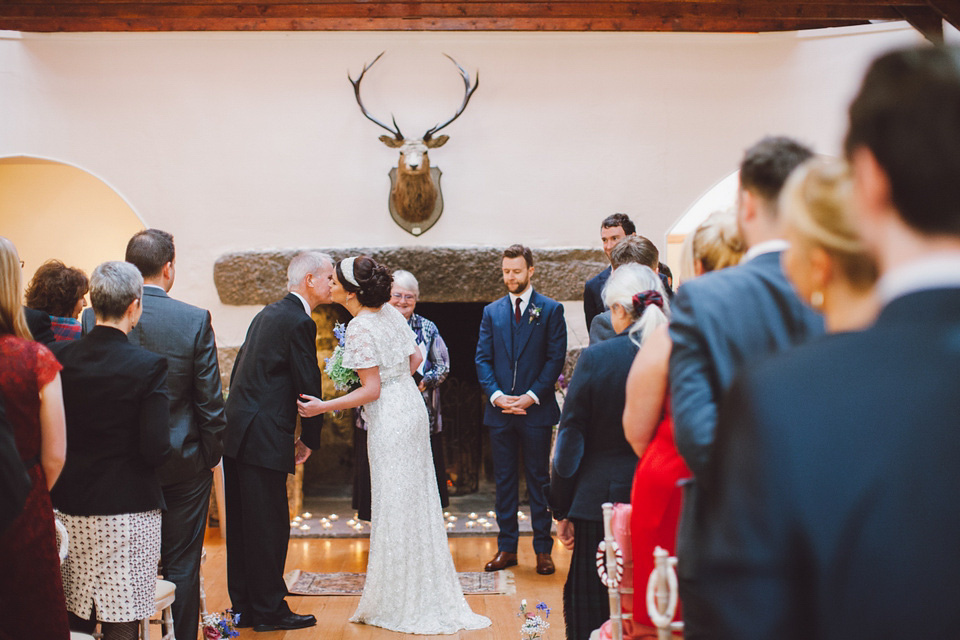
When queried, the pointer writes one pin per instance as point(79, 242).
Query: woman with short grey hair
point(109, 496)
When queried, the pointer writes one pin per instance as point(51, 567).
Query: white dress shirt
point(303, 301)
point(768, 246)
point(936, 271)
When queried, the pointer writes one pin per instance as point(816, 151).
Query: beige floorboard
point(350, 555)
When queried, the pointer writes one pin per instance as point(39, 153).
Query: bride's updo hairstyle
point(371, 282)
point(639, 291)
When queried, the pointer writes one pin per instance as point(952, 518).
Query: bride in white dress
point(411, 583)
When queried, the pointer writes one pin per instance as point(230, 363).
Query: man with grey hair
point(277, 362)
point(633, 249)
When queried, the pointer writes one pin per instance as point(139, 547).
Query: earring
point(816, 300)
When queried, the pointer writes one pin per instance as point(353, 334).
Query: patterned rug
point(305, 583)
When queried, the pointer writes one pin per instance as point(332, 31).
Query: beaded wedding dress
point(411, 584)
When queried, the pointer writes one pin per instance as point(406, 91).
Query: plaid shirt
point(65, 328)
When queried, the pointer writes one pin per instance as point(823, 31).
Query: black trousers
point(586, 602)
point(258, 532)
point(181, 545)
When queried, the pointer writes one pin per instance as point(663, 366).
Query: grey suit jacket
point(602, 327)
point(183, 334)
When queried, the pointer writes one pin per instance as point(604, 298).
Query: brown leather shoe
point(502, 560)
point(545, 564)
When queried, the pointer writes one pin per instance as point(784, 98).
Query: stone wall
point(446, 274)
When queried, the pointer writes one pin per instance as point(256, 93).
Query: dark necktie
point(516, 314)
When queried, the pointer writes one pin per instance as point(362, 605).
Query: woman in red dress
point(648, 422)
point(32, 603)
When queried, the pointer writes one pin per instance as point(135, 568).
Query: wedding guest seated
point(648, 423)
point(58, 291)
point(631, 250)
point(827, 262)
point(109, 497)
point(31, 591)
point(431, 374)
point(593, 463)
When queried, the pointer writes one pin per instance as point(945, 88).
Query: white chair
point(663, 595)
point(166, 592)
point(615, 566)
point(203, 592)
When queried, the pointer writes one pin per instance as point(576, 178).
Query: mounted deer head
point(415, 195)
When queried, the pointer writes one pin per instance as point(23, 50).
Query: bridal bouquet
point(534, 625)
point(219, 626)
point(342, 377)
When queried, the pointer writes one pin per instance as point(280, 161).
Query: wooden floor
point(350, 555)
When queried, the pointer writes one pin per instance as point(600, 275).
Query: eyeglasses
point(408, 297)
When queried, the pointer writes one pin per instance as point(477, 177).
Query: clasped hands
point(516, 405)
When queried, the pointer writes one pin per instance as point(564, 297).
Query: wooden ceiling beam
point(949, 10)
point(926, 21)
point(793, 11)
point(692, 24)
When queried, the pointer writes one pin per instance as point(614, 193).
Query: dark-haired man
point(836, 487)
point(520, 353)
point(613, 229)
point(722, 322)
point(183, 334)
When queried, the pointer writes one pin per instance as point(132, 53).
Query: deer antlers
point(395, 130)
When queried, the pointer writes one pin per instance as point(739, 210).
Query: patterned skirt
point(111, 565)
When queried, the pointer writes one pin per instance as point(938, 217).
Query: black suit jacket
point(593, 463)
point(833, 507)
point(278, 361)
point(39, 324)
point(117, 425)
point(14, 481)
point(592, 300)
point(722, 322)
point(183, 335)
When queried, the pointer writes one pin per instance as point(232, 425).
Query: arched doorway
point(722, 195)
point(50, 210)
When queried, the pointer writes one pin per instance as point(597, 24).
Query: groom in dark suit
point(520, 353)
point(722, 322)
point(277, 362)
point(837, 485)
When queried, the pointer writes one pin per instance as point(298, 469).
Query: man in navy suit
point(837, 485)
point(725, 321)
point(520, 353)
point(613, 229)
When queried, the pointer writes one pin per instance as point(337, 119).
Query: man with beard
point(520, 353)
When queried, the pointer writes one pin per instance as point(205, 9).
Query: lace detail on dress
point(408, 592)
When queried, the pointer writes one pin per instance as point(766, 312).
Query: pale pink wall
point(253, 140)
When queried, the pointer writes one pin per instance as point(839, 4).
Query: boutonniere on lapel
point(535, 314)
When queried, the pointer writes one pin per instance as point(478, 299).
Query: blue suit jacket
point(592, 298)
point(833, 509)
point(723, 322)
point(532, 362)
point(593, 463)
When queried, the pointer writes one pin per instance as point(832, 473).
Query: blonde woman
point(827, 262)
point(31, 591)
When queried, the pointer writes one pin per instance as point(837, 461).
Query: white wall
point(253, 140)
